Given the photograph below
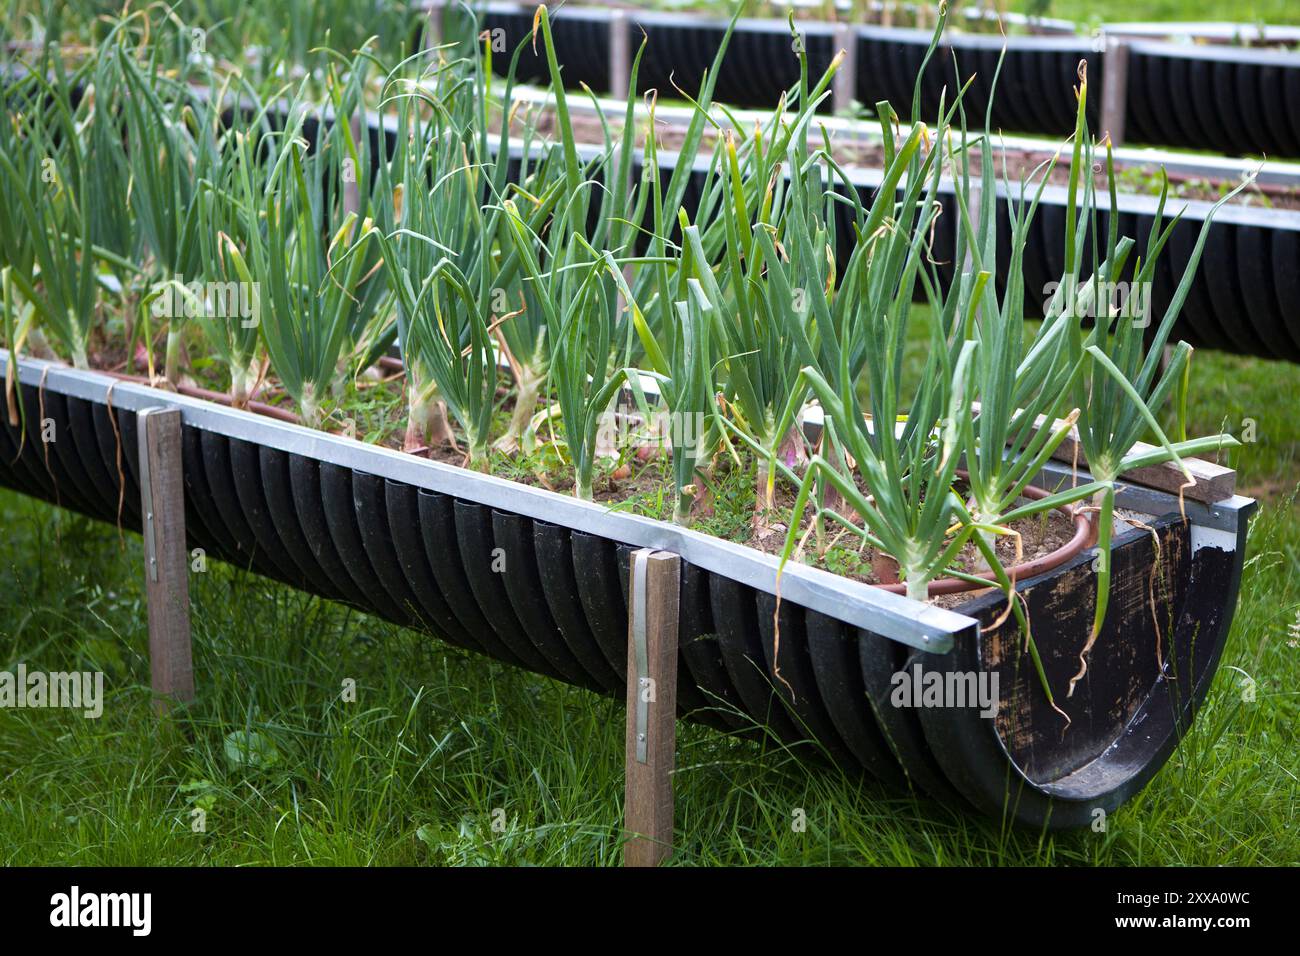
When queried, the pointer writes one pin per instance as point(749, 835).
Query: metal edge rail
point(1267, 172)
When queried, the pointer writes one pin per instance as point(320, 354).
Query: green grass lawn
point(446, 757)
point(1126, 11)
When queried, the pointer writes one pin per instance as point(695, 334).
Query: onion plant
point(892, 457)
point(171, 145)
point(1023, 380)
point(449, 253)
point(241, 181)
point(907, 506)
point(778, 270)
point(112, 225)
point(589, 341)
point(521, 334)
point(587, 355)
point(48, 175)
point(893, 460)
point(317, 262)
point(1123, 387)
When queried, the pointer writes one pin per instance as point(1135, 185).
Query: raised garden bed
point(413, 541)
point(773, 350)
point(1241, 304)
point(1220, 98)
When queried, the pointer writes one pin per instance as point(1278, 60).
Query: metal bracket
point(146, 491)
point(642, 655)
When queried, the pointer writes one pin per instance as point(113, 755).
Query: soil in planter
point(372, 410)
point(728, 510)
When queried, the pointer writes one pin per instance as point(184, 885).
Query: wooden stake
point(844, 86)
point(166, 574)
point(433, 32)
point(654, 585)
point(1114, 89)
point(620, 54)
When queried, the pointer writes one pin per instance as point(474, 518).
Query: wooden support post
point(433, 28)
point(1114, 89)
point(844, 88)
point(654, 584)
point(166, 573)
point(620, 54)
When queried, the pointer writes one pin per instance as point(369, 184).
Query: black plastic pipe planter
point(889, 61)
point(1224, 99)
point(539, 580)
point(1241, 298)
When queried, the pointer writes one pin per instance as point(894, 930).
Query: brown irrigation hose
point(221, 398)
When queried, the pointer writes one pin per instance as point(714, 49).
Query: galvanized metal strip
point(640, 565)
point(144, 420)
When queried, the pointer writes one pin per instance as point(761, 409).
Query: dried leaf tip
point(537, 18)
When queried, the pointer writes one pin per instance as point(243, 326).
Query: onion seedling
point(317, 262)
point(171, 146)
point(449, 252)
point(47, 178)
point(1022, 387)
point(1122, 387)
point(240, 182)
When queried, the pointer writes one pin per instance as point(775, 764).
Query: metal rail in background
point(1269, 172)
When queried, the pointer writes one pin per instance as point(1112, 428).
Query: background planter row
point(1241, 298)
point(1242, 295)
point(415, 542)
point(1220, 99)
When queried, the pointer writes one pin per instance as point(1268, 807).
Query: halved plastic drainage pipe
point(416, 542)
point(1216, 98)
